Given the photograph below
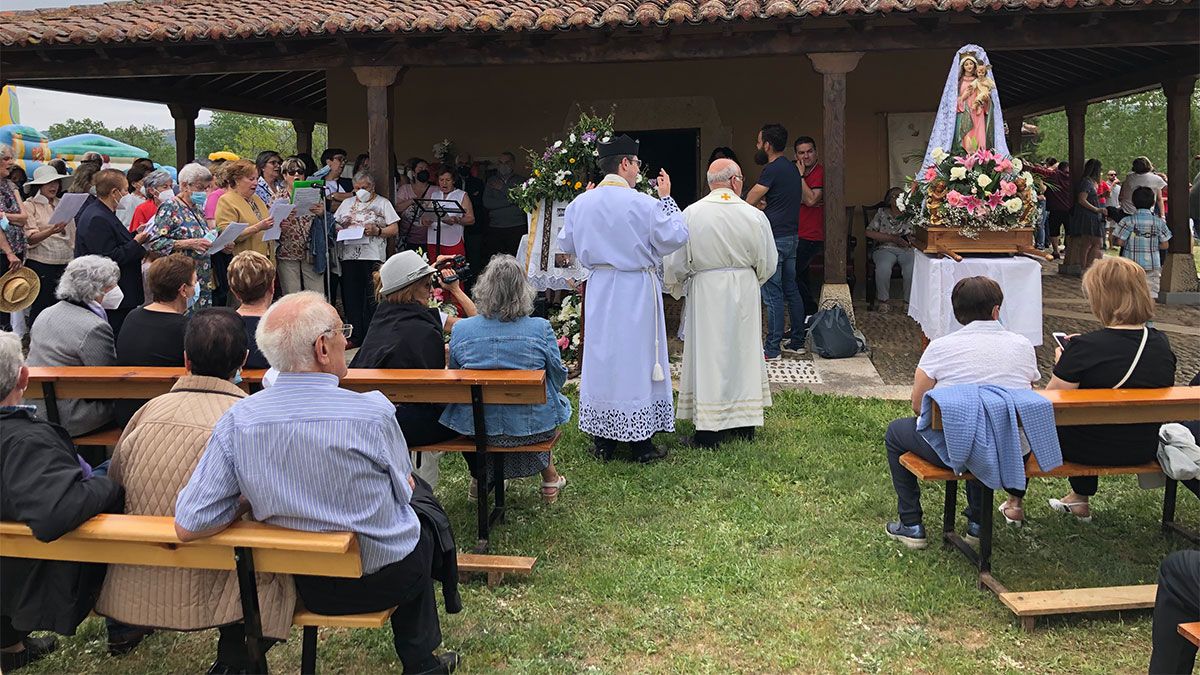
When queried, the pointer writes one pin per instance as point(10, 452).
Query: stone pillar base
point(837, 295)
point(1179, 284)
point(1070, 270)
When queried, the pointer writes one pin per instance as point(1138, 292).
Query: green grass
point(765, 556)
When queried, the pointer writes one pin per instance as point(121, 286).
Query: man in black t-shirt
point(779, 187)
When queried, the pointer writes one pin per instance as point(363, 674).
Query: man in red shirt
point(1059, 198)
point(812, 218)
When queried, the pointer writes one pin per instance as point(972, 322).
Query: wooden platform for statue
point(952, 243)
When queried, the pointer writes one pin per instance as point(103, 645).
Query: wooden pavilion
point(395, 77)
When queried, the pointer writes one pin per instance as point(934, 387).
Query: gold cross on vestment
point(725, 197)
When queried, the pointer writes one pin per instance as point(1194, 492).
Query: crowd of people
point(134, 283)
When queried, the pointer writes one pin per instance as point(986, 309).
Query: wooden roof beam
point(1141, 79)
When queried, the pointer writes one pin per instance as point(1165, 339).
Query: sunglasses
point(298, 172)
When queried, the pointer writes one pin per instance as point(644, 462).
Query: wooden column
point(379, 81)
point(185, 132)
point(1076, 125)
point(833, 68)
point(1179, 283)
point(304, 136)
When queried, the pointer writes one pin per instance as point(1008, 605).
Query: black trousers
point(503, 240)
point(806, 250)
point(231, 647)
point(9, 636)
point(902, 437)
point(220, 272)
point(358, 295)
point(1178, 601)
point(405, 585)
point(711, 439)
point(49, 276)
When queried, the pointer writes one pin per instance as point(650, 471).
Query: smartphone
point(1061, 339)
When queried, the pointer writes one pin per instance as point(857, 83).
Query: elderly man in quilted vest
point(154, 459)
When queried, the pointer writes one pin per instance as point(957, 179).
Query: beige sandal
point(1070, 507)
point(551, 489)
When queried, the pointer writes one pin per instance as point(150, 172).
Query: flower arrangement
point(973, 192)
point(566, 327)
point(443, 151)
point(562, 171)
point(440, 299)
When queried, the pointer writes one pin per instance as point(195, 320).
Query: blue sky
point(41, 108)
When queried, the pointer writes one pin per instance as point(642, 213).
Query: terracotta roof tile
point(192, 20)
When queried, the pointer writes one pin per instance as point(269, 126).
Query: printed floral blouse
point(294, 231)
point(176, 221)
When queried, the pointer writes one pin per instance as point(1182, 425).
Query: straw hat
point(45, 174)
point(18, 289)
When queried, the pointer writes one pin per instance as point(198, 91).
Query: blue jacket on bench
point(980, 434)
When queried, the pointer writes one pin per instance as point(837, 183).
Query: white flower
point(958, 173)
point(572, 138)
point(901, 201)
point(983, 180)
point(605, 139)
point(1018, 165)
point(575, 341)
point(557, 144)
point(1028, 178)
point(1014, 205)
point(595, 153)
point(938, 154)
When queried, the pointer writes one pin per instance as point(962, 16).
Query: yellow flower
point(578, 184)
point(572, 160)
point(537, 173)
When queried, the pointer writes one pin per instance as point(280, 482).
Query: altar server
point(621, 236)
point(729, 255)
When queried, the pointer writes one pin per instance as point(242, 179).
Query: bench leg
point(481, 459)
point(1170, 495)
point(248, 590)
point(948, 510)
point(498, 471)
point(308, 656)
point(986, 529)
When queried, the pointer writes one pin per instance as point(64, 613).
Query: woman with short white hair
point(75, 332)
point(361, 257)
point(157, 186)
point(180, 227)
point(503, 336)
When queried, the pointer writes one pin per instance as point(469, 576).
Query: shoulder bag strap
point(1136, 357)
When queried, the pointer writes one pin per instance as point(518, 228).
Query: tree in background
point(247, 135)
point(1118, 130)
point(146, 137)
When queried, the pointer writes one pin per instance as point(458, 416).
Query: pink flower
point(1004, 165)
point(930, 173)
point(563, 342)
point(439, 294)
point(972, 204)
point(1008, 188)
point(967, 161)
point(955, 198)
point(995, 199)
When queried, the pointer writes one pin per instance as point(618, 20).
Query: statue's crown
point(969, 55)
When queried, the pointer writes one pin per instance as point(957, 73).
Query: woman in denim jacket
point(504, 337)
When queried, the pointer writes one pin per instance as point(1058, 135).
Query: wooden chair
point(1071, 408)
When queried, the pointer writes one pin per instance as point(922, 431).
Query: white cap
point(403, 269)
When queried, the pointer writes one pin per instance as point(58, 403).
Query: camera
point(457, 265)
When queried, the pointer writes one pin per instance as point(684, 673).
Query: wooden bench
point(1191, 631)
point(1071, 408)
point(474, 387)
point(245, 547)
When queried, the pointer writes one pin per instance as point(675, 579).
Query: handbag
point(832, 336)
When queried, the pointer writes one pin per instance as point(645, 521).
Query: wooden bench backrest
point(400, 386)
point(151, 540)
point(1075, 407)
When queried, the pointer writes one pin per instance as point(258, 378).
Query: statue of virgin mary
point(968, 118)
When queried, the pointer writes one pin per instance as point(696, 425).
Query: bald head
point(291, 332)
point(722, 173)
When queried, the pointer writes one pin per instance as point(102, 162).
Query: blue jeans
point(779, 290)
point(1039, 230)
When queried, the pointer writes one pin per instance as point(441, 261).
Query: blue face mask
point(195, 296)
point(199, 199)
point(237, 377)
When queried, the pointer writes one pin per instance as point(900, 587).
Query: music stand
point(439, 208)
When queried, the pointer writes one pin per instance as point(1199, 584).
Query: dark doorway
point(677, 151)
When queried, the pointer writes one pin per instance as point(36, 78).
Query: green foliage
point(247, 135)
point(146, 137)
point(1118, 130)
point(766, 557)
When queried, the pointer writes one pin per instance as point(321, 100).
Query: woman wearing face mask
point(137, 194)
point(362, 256)
point(180, 227)
point(157, 187)
point(75, 332)
point(51, 245)
point(448, 239)
point(98, 231)
point(411, 227)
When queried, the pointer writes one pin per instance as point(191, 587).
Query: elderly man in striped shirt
point(289, 454)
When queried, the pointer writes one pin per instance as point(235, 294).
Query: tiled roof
point(197, 20)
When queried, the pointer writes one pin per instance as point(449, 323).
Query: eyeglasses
point(345, 329)
point(276, 162)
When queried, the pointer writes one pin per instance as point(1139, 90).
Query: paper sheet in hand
point(279, 212)
point(67, 207)
point(227, 237)
point(306, 197)
point(351, 233)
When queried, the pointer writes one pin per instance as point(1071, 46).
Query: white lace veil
point(942, 135)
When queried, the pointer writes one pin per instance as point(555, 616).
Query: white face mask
point(362, 194)
point(165, 196)
point(112, 299)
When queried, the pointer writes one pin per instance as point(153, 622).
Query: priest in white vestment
point(730, 254)
point(621, 236)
